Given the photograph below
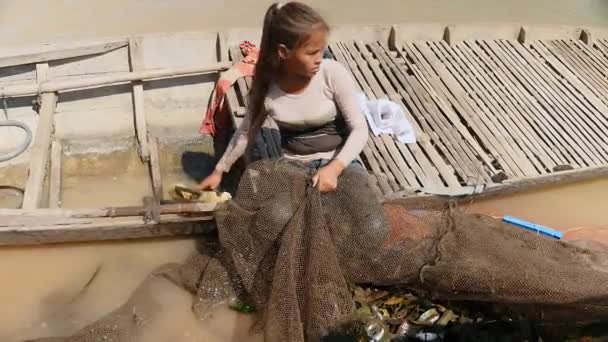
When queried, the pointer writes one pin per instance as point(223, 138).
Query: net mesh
point(293, 253)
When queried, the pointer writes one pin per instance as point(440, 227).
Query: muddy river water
point(40, 287)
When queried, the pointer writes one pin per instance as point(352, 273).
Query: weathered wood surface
point(112, 79)
point(16, 217)
point(55, 175)
point(105, 229)
point(136, 59)
point(41, 149)
point(61, 51)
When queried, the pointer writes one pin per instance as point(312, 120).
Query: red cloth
point(246, 67)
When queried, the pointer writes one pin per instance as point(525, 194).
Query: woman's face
point(305, 59)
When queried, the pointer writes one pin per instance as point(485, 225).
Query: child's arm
point(236, 148)
point(345, 93)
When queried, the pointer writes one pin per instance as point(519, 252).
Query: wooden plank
point(577, 103)
point(402, 167)
point(577, 64)
point(595, 125)
point(477, 119)
point(601, 74)
point(55, 174)
point(405, 169)
point(553, 94)
point(522, 116)
point(469, 79)
point(68, 52)
point(460, 99)
point(410, 153)
point(506, 111)
point(595, 54)
point(377, 172)
point(428, 98)
point(542, 106)
point(171, 208)
point(155, 172)
point(509, 188)
point(112, 229)
point(523, 98)
point(423, 139)
point(39, 154)
point(136, 60)
point(110, 79)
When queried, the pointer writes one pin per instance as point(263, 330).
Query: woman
point(311, 99)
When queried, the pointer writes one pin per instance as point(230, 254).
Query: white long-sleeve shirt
point(331, 92)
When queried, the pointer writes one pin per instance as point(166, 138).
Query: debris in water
point(240, 306)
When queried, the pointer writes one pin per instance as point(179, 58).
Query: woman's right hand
point(212, 181)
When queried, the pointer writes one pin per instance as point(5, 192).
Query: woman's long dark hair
point(289, 24)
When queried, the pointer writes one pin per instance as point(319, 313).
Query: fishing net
point(293, 253)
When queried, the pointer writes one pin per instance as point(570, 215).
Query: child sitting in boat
point(312, 100)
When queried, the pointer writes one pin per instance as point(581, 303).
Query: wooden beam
point(69, 52)
point(155, 172)
point(55, 174)
point(136, 59)
point(111, 79)
point(106, 229)
point(515, 186)
point(21, 217)
point(39, 155)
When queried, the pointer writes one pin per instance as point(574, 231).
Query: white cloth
point(387, 117)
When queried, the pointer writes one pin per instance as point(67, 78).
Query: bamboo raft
point(496, 111)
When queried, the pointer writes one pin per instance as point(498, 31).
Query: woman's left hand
point(326, 178)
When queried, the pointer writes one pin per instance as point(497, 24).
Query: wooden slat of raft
point(136, 59)
point(590, 51)
point(588, 96)
point(507, 157)
point(445, 141)
point(592, 120)
point(596, 55)
point(507, 110)
point(459, 99)
point(388, 141)
point(429, 176)
point(601, 89)
point(504, 111)
point(522, 100)
point(579, 65)
point(446, 172)
point(520, 71)
point(384, 62)
point(576, 84)
point(568, 106)
point(520, 112)
point(155, 172)
point(531, 67)
point(55, 175)
point(491, 112)
point(371, 152)
point(446, 100)
point(466, 149)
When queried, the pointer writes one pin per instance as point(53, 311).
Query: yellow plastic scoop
point(183, 193)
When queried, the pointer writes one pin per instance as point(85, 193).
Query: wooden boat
point(497, 109)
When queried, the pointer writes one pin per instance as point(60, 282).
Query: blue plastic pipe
point(533, 227)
